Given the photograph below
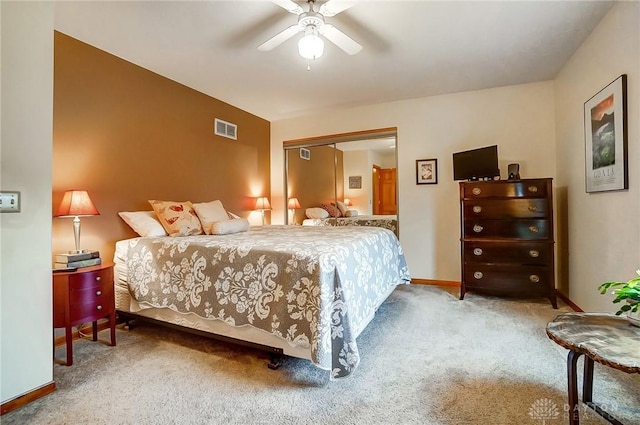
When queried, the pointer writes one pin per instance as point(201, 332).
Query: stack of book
point(77, 260)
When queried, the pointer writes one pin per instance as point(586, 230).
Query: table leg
point(112, 325)
point(69, 340)
point(572, 385)
point(587, 380)
point(94, 330)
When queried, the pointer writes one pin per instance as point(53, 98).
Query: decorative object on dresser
point(83, 296)
point(507, 237)
point(605, 131)
point(76, 203)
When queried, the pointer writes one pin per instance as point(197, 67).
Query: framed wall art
point(605, 132)
point(427, 171)
point(355, 182)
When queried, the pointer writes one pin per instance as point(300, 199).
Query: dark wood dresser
point(507, 243)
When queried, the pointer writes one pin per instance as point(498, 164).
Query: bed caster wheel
point(276, 362)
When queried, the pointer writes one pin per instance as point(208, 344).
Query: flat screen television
point(476, 164)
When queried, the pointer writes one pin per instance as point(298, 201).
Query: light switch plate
point(9, 201)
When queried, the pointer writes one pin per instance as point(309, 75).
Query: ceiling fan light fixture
point(311, 45)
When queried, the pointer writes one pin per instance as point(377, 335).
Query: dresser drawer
point(506, 229)
point(525, 253)
point(92, 279)
point(506, 189)
point(504, 278)
point(506, 208)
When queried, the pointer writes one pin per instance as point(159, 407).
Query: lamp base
point(78, 251)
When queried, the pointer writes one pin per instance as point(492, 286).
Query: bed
point(385, 221)
point(304, 291)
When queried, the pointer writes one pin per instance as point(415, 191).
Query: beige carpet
point(427, 358)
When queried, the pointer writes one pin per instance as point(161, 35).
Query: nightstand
point(84, 295)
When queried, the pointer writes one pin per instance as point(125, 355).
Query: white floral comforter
point(313, 286)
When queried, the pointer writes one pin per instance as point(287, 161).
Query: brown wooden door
point(387, 191)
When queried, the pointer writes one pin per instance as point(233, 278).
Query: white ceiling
point(411, 48)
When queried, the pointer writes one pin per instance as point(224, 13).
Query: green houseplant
point(629, 291)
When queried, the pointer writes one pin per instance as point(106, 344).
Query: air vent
point(305, 154)
point(225, 129)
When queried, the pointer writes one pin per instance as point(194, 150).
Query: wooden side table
point(605, 338)
point(84, 295)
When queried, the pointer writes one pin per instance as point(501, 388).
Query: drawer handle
point(533, 229)
point(476, 191)
point(534, 278)
point(532, 189)
point(98, 293)
point(534, 253)
point(98, 278)
point(99, 307)
point(477, 228)
point(477, 251)
point(477, 209)
point(478, 275)
point(533, 208)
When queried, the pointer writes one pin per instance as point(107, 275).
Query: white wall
point(25, 166)
point(519, 119)
point(602, 238)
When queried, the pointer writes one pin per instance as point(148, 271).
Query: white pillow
point(144, 223)
point(351, 213)
point(209, 213)
point(235, 225)
point(316, 212)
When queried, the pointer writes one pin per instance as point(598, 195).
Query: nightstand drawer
point(92, 279)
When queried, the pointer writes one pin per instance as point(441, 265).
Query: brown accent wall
point(313, 181)
point(128, 135)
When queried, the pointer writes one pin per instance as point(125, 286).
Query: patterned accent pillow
point(177, 218)
point(332, 210)
point(144, 223)
point(209, 213)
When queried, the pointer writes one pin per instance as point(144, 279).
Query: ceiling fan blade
point(333, 7)
point(279, 38)
point(289, 6)
point(340, 39)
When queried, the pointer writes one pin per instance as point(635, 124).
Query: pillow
point(210, 212)
point(332, 210)
point(316, 213)
point(177, 218)
point(342, 207)
point(235, 225)
point(351, 213)
point(144, 223)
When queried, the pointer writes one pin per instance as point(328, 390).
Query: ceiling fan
point(313, 24)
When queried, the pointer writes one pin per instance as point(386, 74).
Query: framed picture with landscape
point(605, 131)
point(427, 171)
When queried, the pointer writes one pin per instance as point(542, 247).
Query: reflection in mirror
point(360, 173)
point(312, 178)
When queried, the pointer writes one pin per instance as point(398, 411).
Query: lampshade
point(262, 203)
point(347, 202)
point(293, 204)
point(311, 45)
point(76, 203)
